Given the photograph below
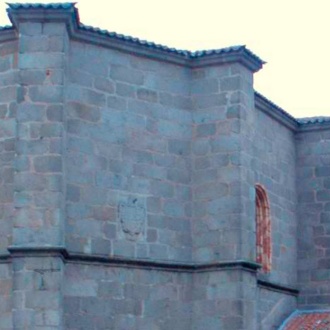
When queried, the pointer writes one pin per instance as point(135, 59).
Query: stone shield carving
point(132, 219)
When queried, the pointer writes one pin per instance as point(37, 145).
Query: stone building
point(144, 187)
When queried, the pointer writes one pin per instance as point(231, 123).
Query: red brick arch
point(263, 229)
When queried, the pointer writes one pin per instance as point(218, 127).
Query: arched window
point(263, 228)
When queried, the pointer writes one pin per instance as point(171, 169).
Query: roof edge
point(7, 33)
point(274, 111)
point(68, 13)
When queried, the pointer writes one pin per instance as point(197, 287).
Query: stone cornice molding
point(34, 251)
point(268, 285)
point(275, 112)
point(7, 33)
point(68, 13)
point(310, 127)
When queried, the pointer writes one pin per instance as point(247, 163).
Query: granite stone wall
point(273, 308)
point(313, 183)
point(8, 110)
point(127, 188)
point(128, 156)
point(274, 166)
point(222, 99)
point(98, 297)
point(39, 176)
point(223, 226)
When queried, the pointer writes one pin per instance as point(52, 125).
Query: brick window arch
point(263, 228)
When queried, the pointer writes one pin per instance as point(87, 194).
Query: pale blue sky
point(292, 36)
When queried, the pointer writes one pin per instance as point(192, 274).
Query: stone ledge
point(19, 252)
point(277, 287)
point(69, 15)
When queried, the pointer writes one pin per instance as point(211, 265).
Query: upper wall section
point(8, 108)
point(68, 13)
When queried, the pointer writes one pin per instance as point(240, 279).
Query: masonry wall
point(274, 167)
point(128, 150)
point(8, 108)
point(313, 182)
point(273, 308)
point(223, 206)
point(100, 297)
point(129, 187)
point(222, 106)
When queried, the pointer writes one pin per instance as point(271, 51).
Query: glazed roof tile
point(6, 27)
point(184, 53)
point(277, 108)
point(314, 120)
point(60, 5)
point(135, 40)
point(308, 321)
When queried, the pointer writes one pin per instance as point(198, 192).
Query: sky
point(292, 36)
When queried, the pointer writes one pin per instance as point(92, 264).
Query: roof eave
point(18, 14)
point(242, 56)
point(68, 13)
point(275, 112)
point(7, 33)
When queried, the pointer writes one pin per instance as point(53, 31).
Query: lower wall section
point(107, 297)
point(5, 296)
point(224, 300)
point(273, 308)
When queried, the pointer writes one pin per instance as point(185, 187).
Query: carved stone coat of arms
point(132, 219)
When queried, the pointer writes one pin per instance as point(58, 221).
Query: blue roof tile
point(6, 27)
point(314, 120)
point(61, 5)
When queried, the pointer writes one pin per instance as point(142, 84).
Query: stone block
point(46, 164)
point(205, 86)
point(30, 112)
point(209, 101)
point(179, 147)
point(31, 28)
point(41, 60)
point(8, 94)
point(205, 130)
point(322, 171)
point(54, 29)
point(211, 190)
point(162, 189)
point(127, 75)
point(104, 85)
point(125, 90)
point(85, 95)
point(117, 103)
point(7, 128)
point(47, 94)
point(178, 176)
point(83, 111)
point(173, 208)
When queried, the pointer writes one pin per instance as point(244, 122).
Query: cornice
point(268, 285)
point(68, 13)
point(34, 251)
point(274, 111)
point(7, 33)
